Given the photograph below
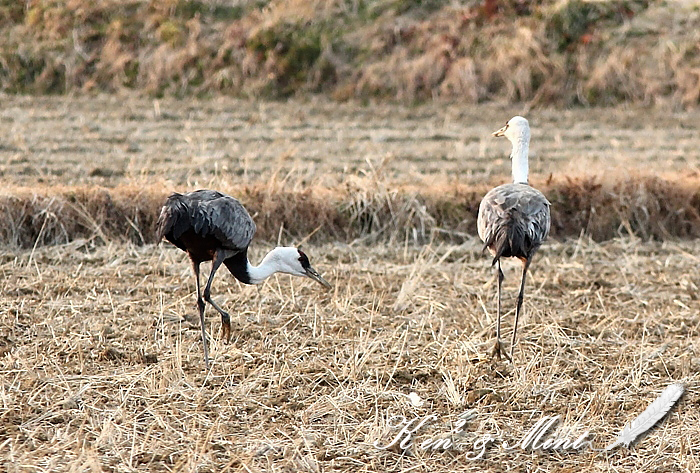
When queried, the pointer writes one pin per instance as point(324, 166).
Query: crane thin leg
point(499, 275)
point(498, 347)
point(201, 306)
point(219, 258)
point(526, 265)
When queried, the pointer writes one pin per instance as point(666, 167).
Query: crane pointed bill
point(313, 274)
point(500, 132)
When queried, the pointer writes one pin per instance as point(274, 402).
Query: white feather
point(651, 415)
point(415, 399)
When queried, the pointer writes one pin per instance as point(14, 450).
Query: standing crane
point(211, 226)
point(513, 219)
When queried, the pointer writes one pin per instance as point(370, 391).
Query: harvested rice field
point(111, 141)
point(101, 363)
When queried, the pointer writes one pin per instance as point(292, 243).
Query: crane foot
point(498, 350)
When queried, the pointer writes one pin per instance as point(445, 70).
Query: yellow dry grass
point(111, 140)
point(369, 210)
point(100, 167)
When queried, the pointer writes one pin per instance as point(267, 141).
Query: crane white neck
point(258, 274)
point(521, 146)
point(279, 260)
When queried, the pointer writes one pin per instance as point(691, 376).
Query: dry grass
point(546, 52)
point(115, 140)
point(100, 168)
point(647, 207)
point(102, 367)
point(58, 215)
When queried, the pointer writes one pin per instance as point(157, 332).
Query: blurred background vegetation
point(564, 53)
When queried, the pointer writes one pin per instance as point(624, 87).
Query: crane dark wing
point(225, 219)
point(516, 214)
point(208, 214)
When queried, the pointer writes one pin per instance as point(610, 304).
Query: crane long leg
point(201, 306)
point(498, 347)
point(526, 265)
point(499, 275)
point(219, 258)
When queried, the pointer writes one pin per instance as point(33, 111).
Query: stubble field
point(102, 365)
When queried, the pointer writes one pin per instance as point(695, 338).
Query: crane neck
point(247, 273)
point(266, 268)
point(519, 159)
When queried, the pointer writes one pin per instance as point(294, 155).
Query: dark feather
point(206, 220)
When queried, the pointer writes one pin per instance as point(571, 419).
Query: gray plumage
point(514, 219)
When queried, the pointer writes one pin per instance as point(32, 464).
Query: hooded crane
point(211, 226)
point(513, 219)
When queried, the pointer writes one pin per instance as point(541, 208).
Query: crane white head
point(517, 130)
point(290, 260)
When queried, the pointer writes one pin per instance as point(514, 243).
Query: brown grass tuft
point(65, 214)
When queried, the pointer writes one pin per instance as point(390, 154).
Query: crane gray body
point(513, 221)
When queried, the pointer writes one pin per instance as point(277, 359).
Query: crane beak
point(500, 132)
point(313, 274)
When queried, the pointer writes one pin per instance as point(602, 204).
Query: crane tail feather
point(508, 240)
